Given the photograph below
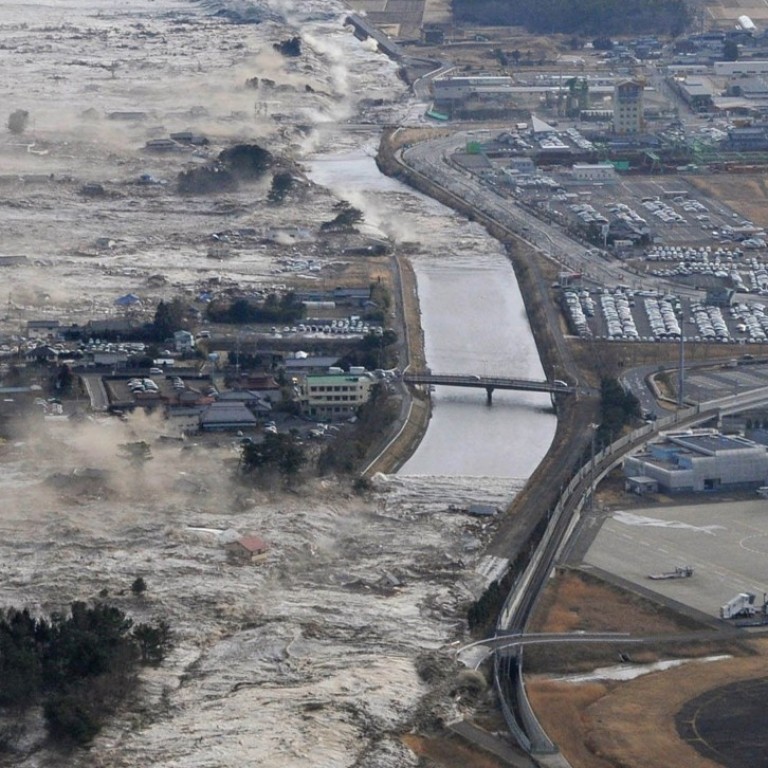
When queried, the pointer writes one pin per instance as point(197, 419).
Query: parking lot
point(716, 383)
point(726, 542)
point(624, 314)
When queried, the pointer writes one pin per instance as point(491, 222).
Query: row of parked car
point(142, 385)
point(618, 316)
point(662, 317)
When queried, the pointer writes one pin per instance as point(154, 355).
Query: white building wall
point(746, 67)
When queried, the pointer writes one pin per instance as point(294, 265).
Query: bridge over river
point(489, 383)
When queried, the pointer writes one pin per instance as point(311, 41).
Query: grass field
point(746, 193)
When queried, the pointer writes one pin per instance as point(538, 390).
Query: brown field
point(609, 725)
point(746, 193)
point(604, 724)
point(575, 601)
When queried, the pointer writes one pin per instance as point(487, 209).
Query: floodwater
point(474, 322)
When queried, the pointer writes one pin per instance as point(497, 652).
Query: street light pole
point(590, 504)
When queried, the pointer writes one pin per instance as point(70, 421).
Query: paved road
point(493, 744)
point(96, 392)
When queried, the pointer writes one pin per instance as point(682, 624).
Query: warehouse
point(700, 460)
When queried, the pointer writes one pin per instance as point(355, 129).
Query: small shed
point(641, 484)
point(247, 549)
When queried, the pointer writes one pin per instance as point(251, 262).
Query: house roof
point(227, 413)
point(253, 543)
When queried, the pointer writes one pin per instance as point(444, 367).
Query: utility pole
point(681, 370)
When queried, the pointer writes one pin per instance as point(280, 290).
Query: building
point(753, 138)
point(253, 401)
point(247, 549)
point(743, 67)
point(309, 364)
point(227, 416)
point(697, 92)
point(448, 89)
point(601, 172)
point(43, 328)
point(628, 107)
point(700, 460)
point(641, 485)
point(334, 395)
point(184, 341)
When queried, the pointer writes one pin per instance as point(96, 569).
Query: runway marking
point(641, 521)
point(750, 549)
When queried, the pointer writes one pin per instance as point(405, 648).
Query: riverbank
point(574, 415)
point(415, 409)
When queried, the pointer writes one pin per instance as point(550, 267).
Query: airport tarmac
point(725, 542)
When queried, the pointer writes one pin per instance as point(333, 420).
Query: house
point(253, 401)
point(247, 549)
point(42, 354)
point(264, 385)
point(115, 325)
point(184, 341)
point(108, 357)
point(184, 419)
point(700, 460)
point(226, 416)
point(43, 328)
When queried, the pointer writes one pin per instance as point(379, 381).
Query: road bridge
point(489, 383)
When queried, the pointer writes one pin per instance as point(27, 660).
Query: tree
point(81, 665)
point(602, 44)
point(345, 219)
point(17, 121)
point(153, 641)
point(246, 161)
point(169, 318)
point(69, 719)
point(139, 586)
point(63, 380)
point(282, 183)
point(280, 451)
point(730, 51)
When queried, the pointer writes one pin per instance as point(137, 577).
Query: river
point(474, 322)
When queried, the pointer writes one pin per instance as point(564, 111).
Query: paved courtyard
point(726, 543)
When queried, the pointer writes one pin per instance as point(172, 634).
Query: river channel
point(474, 322)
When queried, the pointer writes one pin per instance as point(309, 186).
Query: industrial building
point(700, 460)
point(601, 172)
point(447, 89)
point(628, 107)
point(697, 92)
